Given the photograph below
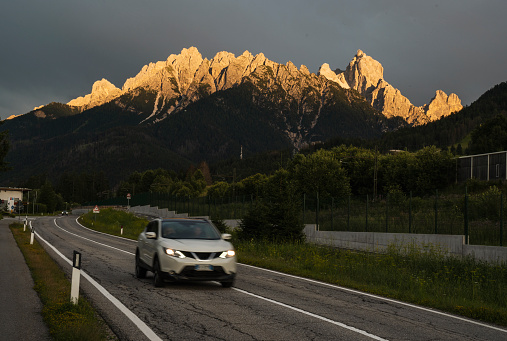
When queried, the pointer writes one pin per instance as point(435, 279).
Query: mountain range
point(189, 109)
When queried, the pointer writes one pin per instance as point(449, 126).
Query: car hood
point(198, 245)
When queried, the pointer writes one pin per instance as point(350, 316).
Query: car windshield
point(189, 229)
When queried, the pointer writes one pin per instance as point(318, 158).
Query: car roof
point(184, 219)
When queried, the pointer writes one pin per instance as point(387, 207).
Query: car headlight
point(174, 253)
point(228, 254)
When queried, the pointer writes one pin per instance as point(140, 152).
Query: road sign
point(128, 196)
point(96, 209)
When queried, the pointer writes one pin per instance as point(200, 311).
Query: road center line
point(143, 327)
point(362, 332)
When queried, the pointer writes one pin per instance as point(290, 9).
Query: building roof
point(14, 189)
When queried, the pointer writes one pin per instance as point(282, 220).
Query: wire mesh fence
point(480, 218)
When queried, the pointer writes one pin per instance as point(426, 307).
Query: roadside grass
point(65, 320)
point(110, 221)
point(465, 287)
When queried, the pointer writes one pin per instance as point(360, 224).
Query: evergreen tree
point(48, 197)
point(276, 215)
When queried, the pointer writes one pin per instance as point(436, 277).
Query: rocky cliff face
point(187, 77)
point(366, 75)
point(102, 92)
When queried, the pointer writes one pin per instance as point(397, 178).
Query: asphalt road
point(263, 305)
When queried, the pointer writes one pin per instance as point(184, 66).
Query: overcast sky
point(54, 50)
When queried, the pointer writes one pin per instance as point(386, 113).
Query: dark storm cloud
point(54, 50)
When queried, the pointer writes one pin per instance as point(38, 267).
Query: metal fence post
point(243, 207)
point(366, 225)
point(317, 212)
point(501, 219)
point(436, 211)
point(387, 212)
point(348, 214)
point(332, 206)
point(304, 207)
point(410, 213)
point(466, 216)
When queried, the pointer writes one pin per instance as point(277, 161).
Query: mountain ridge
point(187, 77)
point(188, 109)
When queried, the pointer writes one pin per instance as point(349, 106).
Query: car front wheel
point(158, 281)
point(140, 271)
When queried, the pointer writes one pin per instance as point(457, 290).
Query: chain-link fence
point(479, 218)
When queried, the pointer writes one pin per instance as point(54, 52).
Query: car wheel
point(157, 274)
point(227, 284)
point(140, 271)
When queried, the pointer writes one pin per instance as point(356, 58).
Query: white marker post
point(76, 276)
point(32, 234)
point(24, 225)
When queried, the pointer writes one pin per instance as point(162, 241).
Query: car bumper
point(222, 270)
point(189, 274)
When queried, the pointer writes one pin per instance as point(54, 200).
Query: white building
point(10, 196)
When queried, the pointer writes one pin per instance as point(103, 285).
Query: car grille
point(202, 255)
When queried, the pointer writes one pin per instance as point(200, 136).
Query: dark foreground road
point(263, 305)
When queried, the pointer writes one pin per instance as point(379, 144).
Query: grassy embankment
point(460, 286)
point(65, 320)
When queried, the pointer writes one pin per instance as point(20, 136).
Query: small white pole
point(32, 233)
point(76, 276)
point(24, 226)
point(121, 232)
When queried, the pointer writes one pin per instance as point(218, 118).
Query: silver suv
point(185, 249)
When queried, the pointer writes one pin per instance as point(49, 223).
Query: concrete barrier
point(490, 254)
point(79, 211)
point(155, 212)
point(450, 245)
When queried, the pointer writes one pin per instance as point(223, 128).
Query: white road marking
point(107, 234)
point(93, 241)
point(339, 324)
point(381, 298)
point(150, 334)
point(324, 284)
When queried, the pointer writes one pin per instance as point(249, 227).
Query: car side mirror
point(151, 235)
point(226, 236)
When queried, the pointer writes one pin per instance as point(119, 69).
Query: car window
point(181, 229)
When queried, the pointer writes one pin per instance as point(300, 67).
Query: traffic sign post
point(95, 210)
point(128, 201)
